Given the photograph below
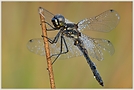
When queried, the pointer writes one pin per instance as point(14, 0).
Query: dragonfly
point(70, 42)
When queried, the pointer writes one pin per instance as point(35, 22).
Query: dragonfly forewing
point(48, 16)
point(103, 22)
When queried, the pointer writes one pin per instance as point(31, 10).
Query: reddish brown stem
point(46, 46)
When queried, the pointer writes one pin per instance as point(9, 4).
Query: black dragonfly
point(70, 42)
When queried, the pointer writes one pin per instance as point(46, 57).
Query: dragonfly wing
point(103, 22)
point(96, 46)
point(37, 46)
point(48, 17)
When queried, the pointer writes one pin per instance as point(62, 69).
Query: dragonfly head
point(58, 21)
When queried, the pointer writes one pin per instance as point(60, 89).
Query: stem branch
point(46, 46)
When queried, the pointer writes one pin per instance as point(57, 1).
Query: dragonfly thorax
point(71, 33)
point(71, 26)
point(58, 21)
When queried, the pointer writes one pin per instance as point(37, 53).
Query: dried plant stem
point(47, 50)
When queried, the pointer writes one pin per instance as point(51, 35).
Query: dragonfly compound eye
point(58, 21)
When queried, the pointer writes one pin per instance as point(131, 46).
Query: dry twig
point(46, 46)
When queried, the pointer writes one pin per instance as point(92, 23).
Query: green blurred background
point(23, 69)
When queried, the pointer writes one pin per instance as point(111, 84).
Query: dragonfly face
point(68, 29)
point(58, 21)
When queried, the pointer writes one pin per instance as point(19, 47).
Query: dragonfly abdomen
point(80, 45)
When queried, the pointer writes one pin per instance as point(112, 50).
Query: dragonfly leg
point(55, 38)
point(49, 40)
point(48, 24)
point(62, 41)
point(55, 41)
